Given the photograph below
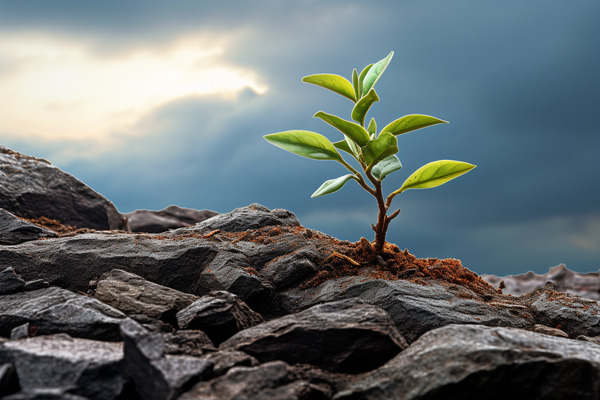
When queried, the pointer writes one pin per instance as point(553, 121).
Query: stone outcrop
point(251, 304)
point(32, 188)
point(172, 217)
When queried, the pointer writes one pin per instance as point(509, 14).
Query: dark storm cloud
point(517, 80)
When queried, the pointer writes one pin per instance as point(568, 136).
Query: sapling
point(374, 151)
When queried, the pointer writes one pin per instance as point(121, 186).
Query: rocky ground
point(252, 305)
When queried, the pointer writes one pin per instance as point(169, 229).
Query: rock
point(570, 313)
point(546, 330)
point(293, 268)
point(88, 368)
point(8, 379)
point(270, 381)
point(188, 342)
point(254, 216)
point(14, 230)
point(219, 314)
point(414, 308)
point(158, 376)
point(345, 336)
point(171, 217)
point(132, 294)
point(44, 394)
point(56, 310)
point(32, 188)
point(20, 332)
point(477, 362)
point(10, 282)
point(584, 285)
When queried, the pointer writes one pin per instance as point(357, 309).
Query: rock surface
point(14, 230)
point(585, 285)
point(171, 217)
point(32, 188)
point(250, 304)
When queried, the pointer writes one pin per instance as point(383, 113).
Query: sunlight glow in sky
point(56, 88)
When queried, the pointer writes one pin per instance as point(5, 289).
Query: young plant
point(375, 152)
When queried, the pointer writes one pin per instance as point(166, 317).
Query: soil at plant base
point(340, 258)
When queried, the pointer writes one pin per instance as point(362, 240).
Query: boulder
point(134, 295)
point(172, 217)
point(346, 336)
point(15, 230)
point(254, 216)
point(56, 310)
point(415, 308)
point(88, 368)
point(32, 188)
point(473, 362)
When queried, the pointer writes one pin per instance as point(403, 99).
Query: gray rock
point(345, 336)
point(31, 188)
point(292, 268)
point(20, 332)
point(476, 362)
point(171, 217)
point(88, 368)
point(220, 314)
point(414, 308)
point(187, 342)
point(270, 381)
point(56, 310)
point(44, 394)
point(10, 282)
point(254, 216)
point(14, 230)
point(584, 285)
point(8, 379)
point(158, 376)
point(570, 313)
point(133, 295)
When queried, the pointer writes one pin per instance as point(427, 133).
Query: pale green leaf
point(306, 144)
point(335, 83)
point(348, 128)
point(359, 112)
point(410, 123)
point(434, 174)
point(379, 148)
point(386, 166)
point(375, 72)
point(372, 128)
point(343, 145)
point(355, 83)
point(361, 79)
point(332, 185)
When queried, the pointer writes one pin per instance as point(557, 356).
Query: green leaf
point(386, 166)
point(343, 145)
point(306, 144)
point(377, 149)
point(355, 83)
point(361, 79)
point(333, 82)
point(350, 129)
point(361, 108)
point(332, 185)
point(372, 128)
point(434, 174)
point(375, 72)
point(410, 123)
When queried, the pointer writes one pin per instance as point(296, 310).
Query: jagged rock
point(133, 295)
point(270, 381)
point(158, 376)
point(32, 188)
point(570, 313)
point(585, 285)
point(219, 314)
point(293, 268)
point(10, 282)
point(88, 368)
point(223, 361)
point(254, 216)
point(471, 362)
point(14, 230)
point(187, 342)
point(414, 308)
point(20, 332)
point(55, 310)
point(171, 217)
point(345, 336)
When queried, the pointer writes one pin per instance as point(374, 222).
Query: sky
point(153, 103)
